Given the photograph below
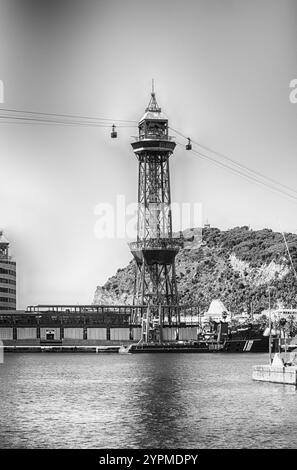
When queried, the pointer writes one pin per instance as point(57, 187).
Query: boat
point(250, 338)
point(222, 339)
point(281, 370)
point(170, 347)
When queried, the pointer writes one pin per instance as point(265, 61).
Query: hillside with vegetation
point(235, 266)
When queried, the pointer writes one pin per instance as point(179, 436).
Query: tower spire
point(153, 105)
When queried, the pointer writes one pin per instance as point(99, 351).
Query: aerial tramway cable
point(241, 173)
point(234, 162)
point(73, 116)
point(34, 117)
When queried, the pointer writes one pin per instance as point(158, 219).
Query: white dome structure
point(216, 311)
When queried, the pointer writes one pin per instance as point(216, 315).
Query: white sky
point(222, 70)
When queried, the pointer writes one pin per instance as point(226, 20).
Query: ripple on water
point(140, 401)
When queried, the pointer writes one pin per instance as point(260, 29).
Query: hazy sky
point(222, 70)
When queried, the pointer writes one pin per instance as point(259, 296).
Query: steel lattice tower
point(155, 249)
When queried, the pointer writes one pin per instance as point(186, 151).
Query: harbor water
point(142, 401)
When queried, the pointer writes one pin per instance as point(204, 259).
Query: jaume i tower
point(7, 276)
point(155, 248)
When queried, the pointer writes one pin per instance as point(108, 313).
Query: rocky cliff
point(235, 266)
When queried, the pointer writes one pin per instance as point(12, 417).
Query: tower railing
point(153, 137)
point(5, 257)
point(157, 244)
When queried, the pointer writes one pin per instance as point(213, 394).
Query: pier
point(62, 349)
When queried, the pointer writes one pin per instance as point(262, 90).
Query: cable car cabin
point(189, 144)
point(113, 133)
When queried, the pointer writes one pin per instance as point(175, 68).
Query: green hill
point(234, 265)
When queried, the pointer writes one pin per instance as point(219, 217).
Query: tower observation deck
point(155, 249)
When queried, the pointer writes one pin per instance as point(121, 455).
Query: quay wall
point(26, 333)
point(69, 335)
point(73, 333)
point(6, 333)
point(88, 335)
point(97, 333)
point(120, 334)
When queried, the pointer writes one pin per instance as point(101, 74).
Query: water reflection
point(159, 400)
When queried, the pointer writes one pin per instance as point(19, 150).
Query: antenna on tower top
point(153, 105)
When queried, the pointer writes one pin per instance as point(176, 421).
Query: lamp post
point(269, 290)
point(282, 325)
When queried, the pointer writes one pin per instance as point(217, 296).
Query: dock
point(62, 349)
